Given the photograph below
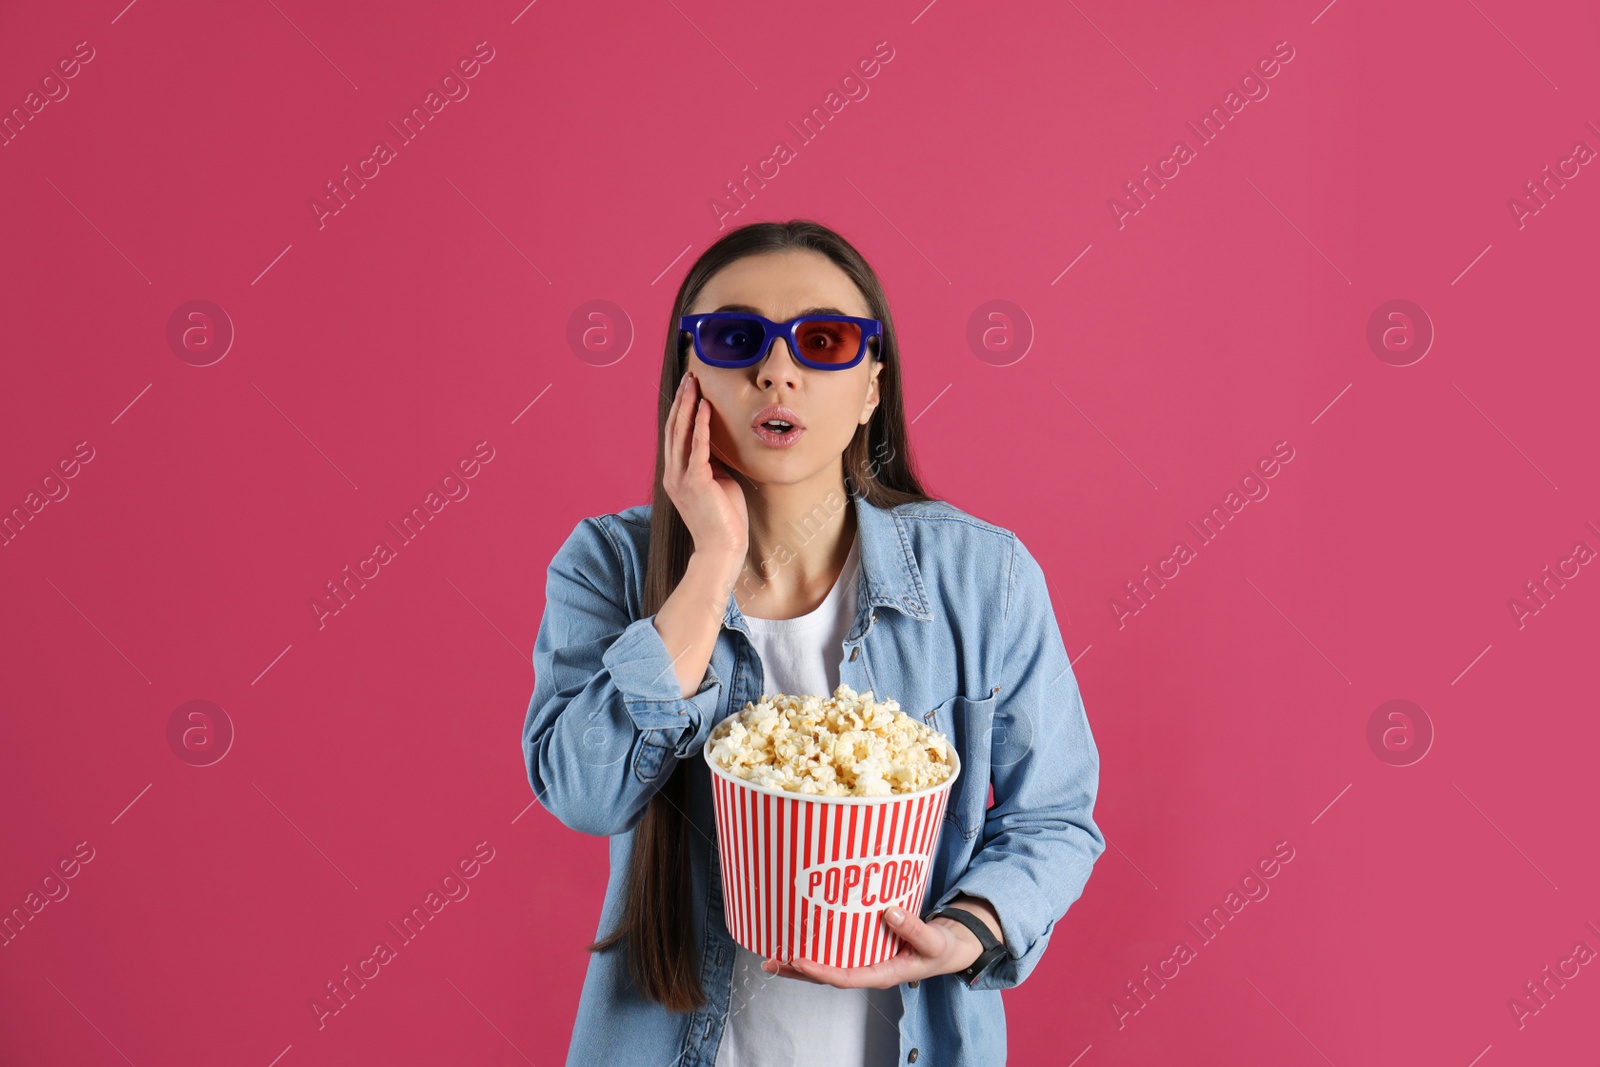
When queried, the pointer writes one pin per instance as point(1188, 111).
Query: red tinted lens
point(824, 341)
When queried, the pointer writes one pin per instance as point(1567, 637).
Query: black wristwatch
point(992, 949)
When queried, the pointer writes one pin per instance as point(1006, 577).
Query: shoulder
point(939, 530)
point(606, 551)
point(939, 524)
point(624, 530)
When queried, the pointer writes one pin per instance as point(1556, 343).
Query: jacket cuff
point(642, 670)
point(1021, 911)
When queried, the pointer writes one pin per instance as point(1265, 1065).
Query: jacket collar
point(890, 577)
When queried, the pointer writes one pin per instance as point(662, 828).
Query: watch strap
point(992, 948)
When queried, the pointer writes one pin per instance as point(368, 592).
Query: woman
point(790, 548)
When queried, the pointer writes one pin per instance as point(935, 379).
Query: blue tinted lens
point(731, 339)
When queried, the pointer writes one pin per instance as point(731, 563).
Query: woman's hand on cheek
point(709, 500)
point(940, 947)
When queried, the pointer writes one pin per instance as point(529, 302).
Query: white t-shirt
point(775, 1021)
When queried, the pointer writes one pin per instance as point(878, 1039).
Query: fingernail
point(895, 915)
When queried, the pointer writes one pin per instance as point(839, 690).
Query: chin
point(776, 467)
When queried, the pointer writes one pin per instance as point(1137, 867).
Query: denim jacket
point(954, 622)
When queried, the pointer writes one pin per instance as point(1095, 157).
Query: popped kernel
point(848, 744)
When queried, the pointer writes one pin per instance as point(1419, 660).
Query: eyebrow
point(758, 311)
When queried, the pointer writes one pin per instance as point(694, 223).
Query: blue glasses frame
point(771, 331)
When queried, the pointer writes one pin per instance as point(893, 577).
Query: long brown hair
point(877, 465)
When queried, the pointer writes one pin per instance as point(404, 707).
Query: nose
point(779, 365)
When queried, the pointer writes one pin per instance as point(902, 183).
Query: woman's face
point(829, 404)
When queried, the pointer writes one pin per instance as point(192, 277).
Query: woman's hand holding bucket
point(943, 946)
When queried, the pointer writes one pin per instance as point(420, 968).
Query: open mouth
point(778, 433)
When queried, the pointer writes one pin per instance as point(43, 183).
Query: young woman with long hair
point(790, 547)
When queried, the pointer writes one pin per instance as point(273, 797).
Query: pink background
point(373, 754)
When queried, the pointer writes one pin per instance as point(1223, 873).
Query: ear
point(871, 403)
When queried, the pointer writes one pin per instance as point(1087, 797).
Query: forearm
point(983, 910)
point(691, 618)
point(1034, 868)
point(606, 721)
point(971, 947)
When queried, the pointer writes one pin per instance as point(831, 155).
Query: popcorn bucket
point(809, 876)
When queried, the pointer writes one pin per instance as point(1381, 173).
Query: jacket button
point(854, 652)
point(911, 1057)
point(874, 616)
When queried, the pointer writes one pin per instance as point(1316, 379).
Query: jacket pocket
point(652, 754)
point(967, 723)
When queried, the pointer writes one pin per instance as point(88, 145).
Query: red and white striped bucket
point(809, 876)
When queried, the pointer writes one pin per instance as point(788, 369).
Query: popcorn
point(845, 745)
